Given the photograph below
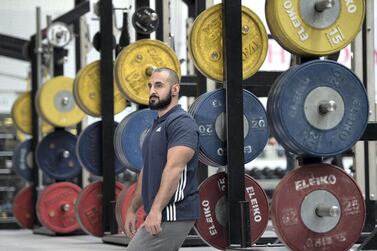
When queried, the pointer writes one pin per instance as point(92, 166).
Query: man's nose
point(152, 90)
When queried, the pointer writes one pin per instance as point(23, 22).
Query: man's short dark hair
point(172, 75)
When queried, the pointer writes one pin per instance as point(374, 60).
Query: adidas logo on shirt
point(158, 129)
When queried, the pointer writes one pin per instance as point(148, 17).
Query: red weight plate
point(55, 207)
point(88, 207)
point(122, 204)
point(211, 225)
point(23, 207)
point(295, 205)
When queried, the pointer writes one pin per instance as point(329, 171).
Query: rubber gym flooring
point(21, 240)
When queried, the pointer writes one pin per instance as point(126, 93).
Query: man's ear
point(175, 90)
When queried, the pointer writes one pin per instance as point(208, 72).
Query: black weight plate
point(145, 20)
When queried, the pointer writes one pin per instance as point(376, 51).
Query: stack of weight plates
point(129, 137)
point(209, 112)
point(319, 108)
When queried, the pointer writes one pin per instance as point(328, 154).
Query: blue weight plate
point(321, 108)
point(132, 136)
point(193, 110)
point(89, 147)
point(118, 142)
point(56, 155)
point(272, 107)
point(23, 160)
point(209, 115)
point(258, 133)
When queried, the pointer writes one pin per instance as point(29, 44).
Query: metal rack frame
point(81, 7)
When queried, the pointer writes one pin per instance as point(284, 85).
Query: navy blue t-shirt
point(174, 128)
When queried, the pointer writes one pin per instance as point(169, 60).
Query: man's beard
point(159, 104)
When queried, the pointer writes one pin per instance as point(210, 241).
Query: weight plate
point(123, 203)
point(88, 208)
point(319, 108)
point(206, 45)
point(212, 224)
point(209, 113)
point(87, 91)
point(88, 146)
point(55, 207)
point(129, 137)
point(21, 115)
point(56, 155)
point(323, 200)
point(23, 160)
point(309, 27)
point(55, 103)
point(21, 137)
point(145, 20)
point(22, 207)
point(272, 106)
point(135, 63)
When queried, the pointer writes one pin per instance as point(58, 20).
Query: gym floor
point(21, 240)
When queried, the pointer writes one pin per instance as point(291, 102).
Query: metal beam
point(13, 47)
point(232, 42)
point(107, 109)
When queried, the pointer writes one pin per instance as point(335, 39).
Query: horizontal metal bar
point(12, 47)
point(73, 14)
point(12, 54)
point(259, 84)
point(11, 41)
point(370, 133)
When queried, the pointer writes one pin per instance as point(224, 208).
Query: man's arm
point(177, 159)
point(137, 201)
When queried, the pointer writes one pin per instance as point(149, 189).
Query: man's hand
point(153, 222)
point(131, 223)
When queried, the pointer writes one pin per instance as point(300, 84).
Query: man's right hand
point(131, 223)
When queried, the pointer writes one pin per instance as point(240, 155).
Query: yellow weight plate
point(314, 28)
point(21, 115)
point(87, 91)
point(21, 136)
point(206, 46)
point(46, 128)
point(55, 103)
point(135, 63)
point(269, 11)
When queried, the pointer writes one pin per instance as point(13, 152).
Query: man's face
point(160, 94)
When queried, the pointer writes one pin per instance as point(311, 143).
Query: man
point(166, 185)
